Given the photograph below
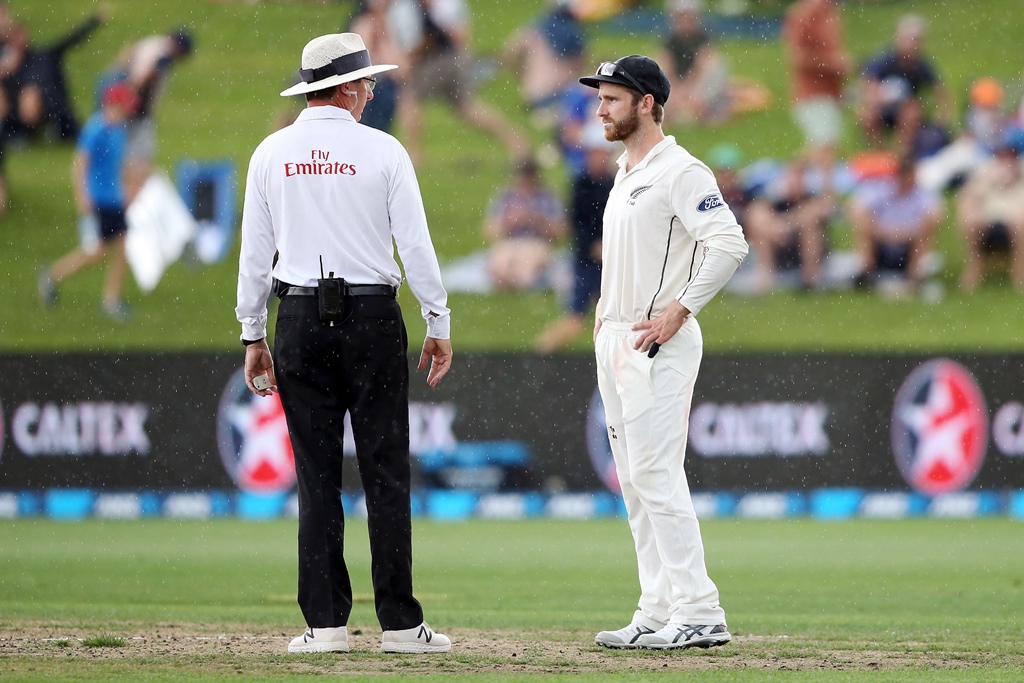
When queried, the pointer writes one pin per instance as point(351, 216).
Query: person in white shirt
point(145, 66)
point(670, 243)
point(332, 197)
point(990, 214)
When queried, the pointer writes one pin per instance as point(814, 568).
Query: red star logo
point(949, 428)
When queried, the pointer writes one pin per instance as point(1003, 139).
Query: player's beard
point(624, 128)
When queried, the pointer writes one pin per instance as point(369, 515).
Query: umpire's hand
point(258, 361)
point(441, 352)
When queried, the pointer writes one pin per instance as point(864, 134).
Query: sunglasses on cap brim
point(613, 70)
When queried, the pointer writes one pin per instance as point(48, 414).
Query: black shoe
point(47, 289)
point(864, 280)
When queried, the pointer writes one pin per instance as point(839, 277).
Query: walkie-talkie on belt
point(331, 295)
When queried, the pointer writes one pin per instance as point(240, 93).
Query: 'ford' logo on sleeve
point(712, 201)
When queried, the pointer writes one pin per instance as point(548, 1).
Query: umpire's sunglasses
point(613, 70)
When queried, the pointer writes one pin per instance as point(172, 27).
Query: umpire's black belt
point(348, 290)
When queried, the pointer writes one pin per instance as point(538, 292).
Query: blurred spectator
point(442, 68)
point(985, 121)
point(575, 117)
point(98, 172)
point(13, 51)
point(698, 74)
point(522, 224)
point(990, 214)
point(371, 23)
point(43, 101)
point(986, 125)
point(786, 230)
point(145, 66)
point(894, 85)
point(702, 89)
point(725, 160)
point(894, 222)
point(591, 185)
point(12, 55)
point(33, 88)
point(1018, 114)
point(818, 67)
point(548, 55)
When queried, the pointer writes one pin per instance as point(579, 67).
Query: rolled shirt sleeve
point(416, 250)
point(256, 257)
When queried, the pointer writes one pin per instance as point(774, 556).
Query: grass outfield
point(194, 601)
point(220, 104)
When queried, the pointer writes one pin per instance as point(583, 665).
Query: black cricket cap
point(635, 71)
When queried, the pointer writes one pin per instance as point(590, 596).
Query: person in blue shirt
point(894, 86)
point(547, 54)
point(590, 162)
point(98, 173)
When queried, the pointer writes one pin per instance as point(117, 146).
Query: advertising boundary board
point(520, 431)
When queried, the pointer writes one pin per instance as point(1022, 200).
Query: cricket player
point(670, 244)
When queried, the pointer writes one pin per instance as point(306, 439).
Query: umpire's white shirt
point(667, 235)
point(328, 187)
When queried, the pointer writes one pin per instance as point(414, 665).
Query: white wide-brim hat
point(334, 59)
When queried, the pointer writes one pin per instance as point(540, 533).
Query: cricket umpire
point(332, 198)
point(670, 244)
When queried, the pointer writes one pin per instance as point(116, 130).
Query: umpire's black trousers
point(361, 366)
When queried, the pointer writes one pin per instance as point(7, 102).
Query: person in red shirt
point(819, 66)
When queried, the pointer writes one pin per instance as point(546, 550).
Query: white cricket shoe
point(675, 636)
point(418, 639)
point(625, 638)
point(321, 640)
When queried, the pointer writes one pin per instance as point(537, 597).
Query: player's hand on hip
point(258, 361)
point(439, 353)
point(659, 330)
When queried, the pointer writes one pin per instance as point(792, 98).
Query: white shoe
point(421, 639)
point(675, 636)
point(321, 640)
point(625, 638)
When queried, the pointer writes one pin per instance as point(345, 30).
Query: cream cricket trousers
point(647, 408)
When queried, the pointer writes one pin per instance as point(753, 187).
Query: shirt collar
point(325, 111)
point(669, 141)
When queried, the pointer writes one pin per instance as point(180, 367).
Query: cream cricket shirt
point(667, 235)
point(328, 187)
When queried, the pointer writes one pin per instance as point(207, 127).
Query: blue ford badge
point(712, 201)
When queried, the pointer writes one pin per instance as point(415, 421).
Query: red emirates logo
point(319, 164)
